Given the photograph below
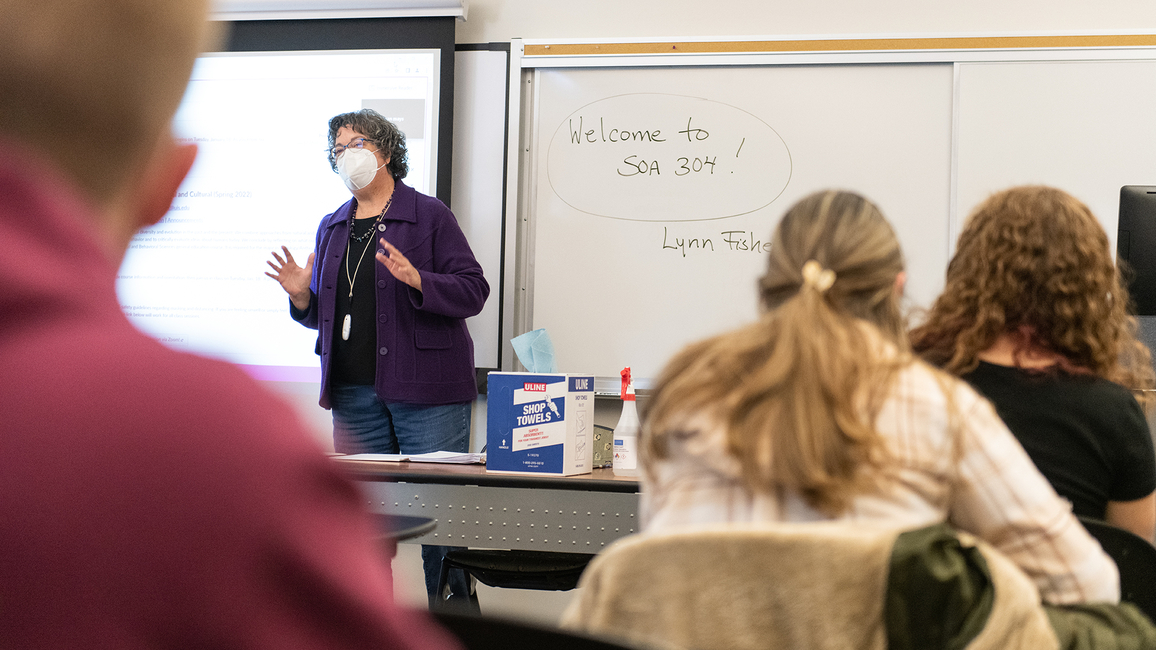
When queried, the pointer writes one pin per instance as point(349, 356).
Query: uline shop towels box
point(540, 423)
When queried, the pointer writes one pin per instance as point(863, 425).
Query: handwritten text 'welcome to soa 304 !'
point(666, 158)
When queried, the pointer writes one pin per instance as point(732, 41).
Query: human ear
point(900, 282)
point(161, 180)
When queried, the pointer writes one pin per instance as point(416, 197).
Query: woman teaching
point(388, 287)
point(397, 363)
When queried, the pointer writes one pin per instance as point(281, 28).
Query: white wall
point(501, 20)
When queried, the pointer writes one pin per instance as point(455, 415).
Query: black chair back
point(1136, 559)
point(514, 569)
point(489, 633)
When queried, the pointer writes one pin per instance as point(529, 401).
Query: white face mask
point(357, 167)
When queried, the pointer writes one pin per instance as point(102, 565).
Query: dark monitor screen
point(1136, 244)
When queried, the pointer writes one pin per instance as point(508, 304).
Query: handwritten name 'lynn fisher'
point(728, 241)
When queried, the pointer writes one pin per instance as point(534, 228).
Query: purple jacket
point(425, 354)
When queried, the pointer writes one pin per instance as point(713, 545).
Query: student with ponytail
point(819, 411)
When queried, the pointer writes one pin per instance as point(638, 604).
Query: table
point(480, 509)
point(392, 529)
point(399, 528)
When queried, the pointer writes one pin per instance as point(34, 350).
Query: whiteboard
point(655, 191)
point(1087, 127)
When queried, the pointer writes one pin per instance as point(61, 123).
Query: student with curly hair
point(819, 411)
point(1034, 316)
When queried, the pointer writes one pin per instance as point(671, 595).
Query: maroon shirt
point(150, 498)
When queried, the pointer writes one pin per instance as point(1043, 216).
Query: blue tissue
point(536, 351)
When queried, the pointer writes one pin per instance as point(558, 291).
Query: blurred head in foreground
point(88, 88)
point(152, 498)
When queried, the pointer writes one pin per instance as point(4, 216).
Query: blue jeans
point(362, 423)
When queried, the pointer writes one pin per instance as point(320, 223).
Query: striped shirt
point(956, 462)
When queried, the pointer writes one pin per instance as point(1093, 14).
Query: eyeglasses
point(356, 143)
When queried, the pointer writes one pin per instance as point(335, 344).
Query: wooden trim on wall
point(840, 45)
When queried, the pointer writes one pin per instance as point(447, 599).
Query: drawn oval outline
point(571, 201)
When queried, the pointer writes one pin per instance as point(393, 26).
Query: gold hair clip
point(814, 275)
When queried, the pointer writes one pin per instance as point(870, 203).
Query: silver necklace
point(347, 322)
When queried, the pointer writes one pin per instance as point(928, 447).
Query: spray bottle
point(626, 432)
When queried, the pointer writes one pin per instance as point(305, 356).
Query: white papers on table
point(448, 457)
point(393, 458)
point(432, 457)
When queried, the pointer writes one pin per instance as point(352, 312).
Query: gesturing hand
point(293, 279)
point(398, 265)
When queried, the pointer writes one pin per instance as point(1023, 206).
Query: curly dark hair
point(1035, 262)
point(378, 130)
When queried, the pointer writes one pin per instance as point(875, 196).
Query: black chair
point(1136, 559)
point(487, 633)
point(517, 569)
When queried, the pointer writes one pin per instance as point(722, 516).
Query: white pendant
point(345, 325)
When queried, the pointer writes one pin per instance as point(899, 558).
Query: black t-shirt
point(1088, 436)
point(355, 360)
